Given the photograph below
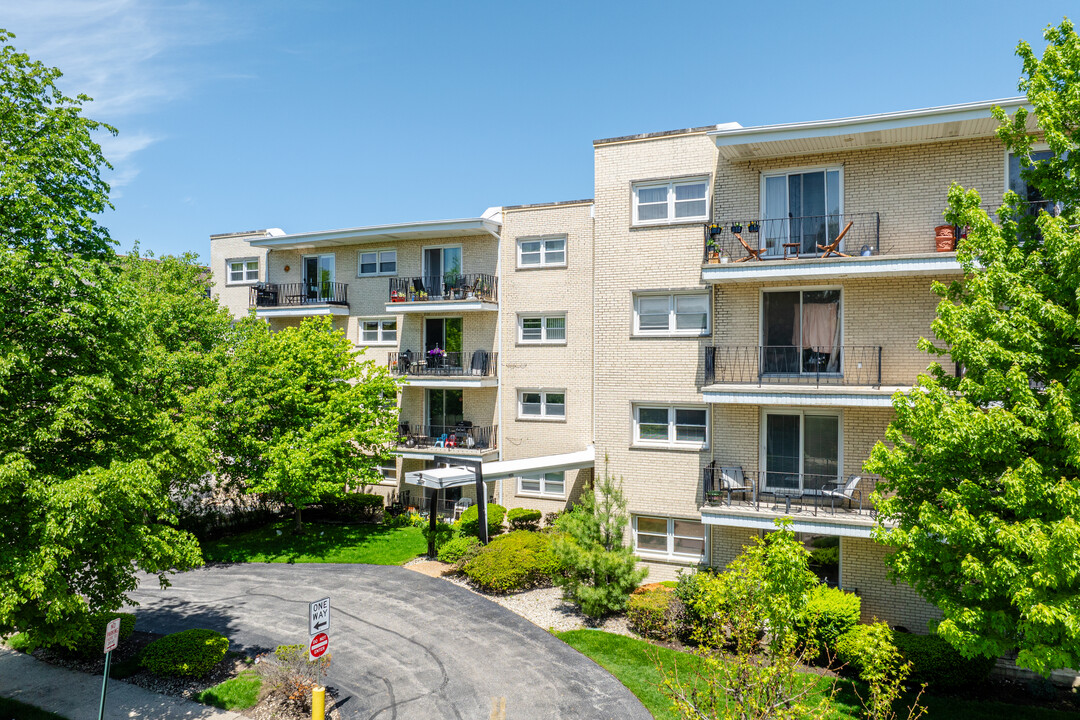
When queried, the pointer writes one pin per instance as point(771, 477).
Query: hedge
point(93, 641)
point(190, 653)
point(655, 612)
point(469, 523)
point(513, 562)
point(828, 614)
point(455, 550)
point(938, 664)
point(524, 519)
point(351, 506)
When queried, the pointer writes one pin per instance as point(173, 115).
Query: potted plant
point(712, 251)
point(753, 226)
point(715, 230)
point(945, 238)
point(435, 357)
point(736, 227)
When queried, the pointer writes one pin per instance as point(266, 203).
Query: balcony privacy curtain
point(820, 331)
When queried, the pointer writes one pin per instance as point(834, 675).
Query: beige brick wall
point(234, 246)
point(863, 570)
point(907, 185)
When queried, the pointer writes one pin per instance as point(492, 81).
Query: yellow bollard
point(318, 703)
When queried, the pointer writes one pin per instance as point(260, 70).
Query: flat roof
point(428, 229)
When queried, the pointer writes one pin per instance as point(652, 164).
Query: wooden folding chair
point(752, 253)
point(833, 247)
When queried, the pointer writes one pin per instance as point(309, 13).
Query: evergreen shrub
point(469, 524)
point(190, 653)
point(524, 519)
point(513, 562)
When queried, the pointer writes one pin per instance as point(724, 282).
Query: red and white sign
point(112, 635)
point(318, 645)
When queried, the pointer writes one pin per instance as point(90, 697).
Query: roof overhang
point(428, 230)
point(450, 477)
point(859, 527)
point(800, 395)
point(907, 127)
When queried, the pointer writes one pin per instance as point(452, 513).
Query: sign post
point(112, 639)
point(318, 626)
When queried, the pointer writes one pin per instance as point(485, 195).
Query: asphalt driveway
point(404, 645)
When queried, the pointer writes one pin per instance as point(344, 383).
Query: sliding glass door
point(318, 277)
point(801, 332)
point(801, 449)
point(801, 210)
point(442, 269)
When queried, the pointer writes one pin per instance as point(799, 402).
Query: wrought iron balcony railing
point(462, 436)
point(795, 491)
point(781, 364)
point(441, 288)
point(479, 363)
point(288, 294)
point(792, 237)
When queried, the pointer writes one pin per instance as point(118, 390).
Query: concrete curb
point(75, 695)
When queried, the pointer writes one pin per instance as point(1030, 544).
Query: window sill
point(551, 343)
point(670, 336)
point(230, 283)
point(377, 344)
point(541, 496)
point(669, 224)
point(535, 418)
point(675, 448)
point(672, 559)
point(541, 267)
point(376, 275)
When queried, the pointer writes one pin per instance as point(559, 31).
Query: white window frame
point(672, 330)
point(671, 442)
point(802, 290)
point(382, 331)
point(802, 412)
point(378, 253)
point(543, 393)
point(670, 535)
point(247, 280)
point(544, 262)
point(671, 184)
point(543, 480)
point(387, 478)
point(544, 339)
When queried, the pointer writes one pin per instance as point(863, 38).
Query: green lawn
point(373, 544)
point(239, 693)
point(15, 709)
point(632, 661)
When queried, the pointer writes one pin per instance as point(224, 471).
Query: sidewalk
point(76, 695)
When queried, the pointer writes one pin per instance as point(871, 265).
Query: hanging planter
point(753, 226)
point(715, 230)
point(736, 228)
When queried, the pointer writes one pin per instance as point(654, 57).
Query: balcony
point(445, 369)
point(449, 292)
point(791, 365)
point(299, 299)
point(463, 439)
point(812, 501)
point(818, 246)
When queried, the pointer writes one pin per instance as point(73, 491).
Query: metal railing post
point(879, 366)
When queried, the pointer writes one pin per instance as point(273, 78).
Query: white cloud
point(126, 54)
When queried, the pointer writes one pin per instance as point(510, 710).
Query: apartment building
point(722, 327)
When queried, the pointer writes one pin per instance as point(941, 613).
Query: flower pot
point(945, 238)
point(753, 227)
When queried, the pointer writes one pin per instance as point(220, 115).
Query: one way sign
point(319, 616)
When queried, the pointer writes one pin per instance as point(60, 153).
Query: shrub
point(938, 664)
point(444, 531)
point(513, 562)
point(191, 653)
point(856, 644)
point(699, 593)
point(455, 549)
point(825, 556)
point(288, 676)
point(828, 614)
point(655, 613)
point(352, 506)
point(469, 524)
point(551, 518)
point(93, 640)
point(524, 519)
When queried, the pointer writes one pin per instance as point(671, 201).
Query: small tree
point(749, 648)
point(982, 482)
point(298, 416)
point(600, 572)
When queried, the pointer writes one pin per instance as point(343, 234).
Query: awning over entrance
point(442, 478)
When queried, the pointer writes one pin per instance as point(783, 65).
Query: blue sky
point(238, 114)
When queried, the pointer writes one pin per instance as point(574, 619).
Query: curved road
point(404, 645)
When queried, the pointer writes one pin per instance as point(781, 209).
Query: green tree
point(86, 456)
point(299, 416)
point(981, 497)
point(600, 572)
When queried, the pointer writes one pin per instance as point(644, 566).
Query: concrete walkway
point(76, 695)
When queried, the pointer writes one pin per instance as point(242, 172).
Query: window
point(542, 404)
point(243, 270)
point(670, 537)
point(801, 208)
point(673, 201)
point(542, 329)
point(801, 332)
point(801, 450)
point(552, 484)
point(542, 252)
point(1030, 194)
point(389, 473)
point(676, 314)
point(378, 332)
point(377, 262)
point(669, 426)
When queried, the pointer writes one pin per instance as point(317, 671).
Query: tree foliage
point(599, 572)
point(981, 490)
point(298, 416)
point(86, 453)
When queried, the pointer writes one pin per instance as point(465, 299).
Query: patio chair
point(733, 480)
point(441, 441)
point(833, 247)
point(451, 441)
point(842, 491)
point(751, 253)
point(461, 506)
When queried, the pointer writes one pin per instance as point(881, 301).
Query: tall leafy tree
point(298, 415)
point(85, 453)
point(982, 494)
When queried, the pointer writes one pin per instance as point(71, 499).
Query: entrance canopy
point(451, 477)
